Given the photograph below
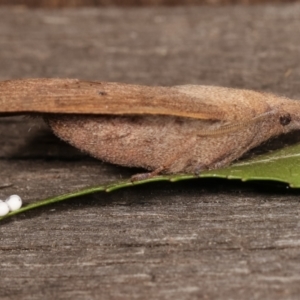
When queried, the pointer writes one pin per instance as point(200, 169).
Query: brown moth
point(179, 129)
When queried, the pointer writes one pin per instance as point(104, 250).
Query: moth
point(178, 129)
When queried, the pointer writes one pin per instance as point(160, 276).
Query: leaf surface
point(282, 165)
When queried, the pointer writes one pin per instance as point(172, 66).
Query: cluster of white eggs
point(12, 203)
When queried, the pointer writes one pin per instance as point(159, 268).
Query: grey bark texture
point(201, 239)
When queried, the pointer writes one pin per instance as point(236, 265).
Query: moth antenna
point(235, 126)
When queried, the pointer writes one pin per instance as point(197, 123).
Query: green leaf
point(282, 165)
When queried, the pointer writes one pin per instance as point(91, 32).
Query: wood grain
point(194, 240)
point(78, 3)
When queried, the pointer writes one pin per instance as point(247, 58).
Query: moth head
point(285, 119)
point(288, 114)
point(289, 121)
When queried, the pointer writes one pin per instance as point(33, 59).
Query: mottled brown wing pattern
point(83, 97)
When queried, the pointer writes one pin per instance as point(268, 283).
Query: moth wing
point(233, 104)
point(87, 97)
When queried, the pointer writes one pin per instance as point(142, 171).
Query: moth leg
point(223, 157)
point(220, 161)
point(200, 168)
point(143, 176)
point(147, 175)
point(157, 171)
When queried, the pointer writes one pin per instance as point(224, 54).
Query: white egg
point(14, 202)
point(4, 209)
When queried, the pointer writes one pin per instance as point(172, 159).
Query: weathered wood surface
point(76, 3)
point(192, 240)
